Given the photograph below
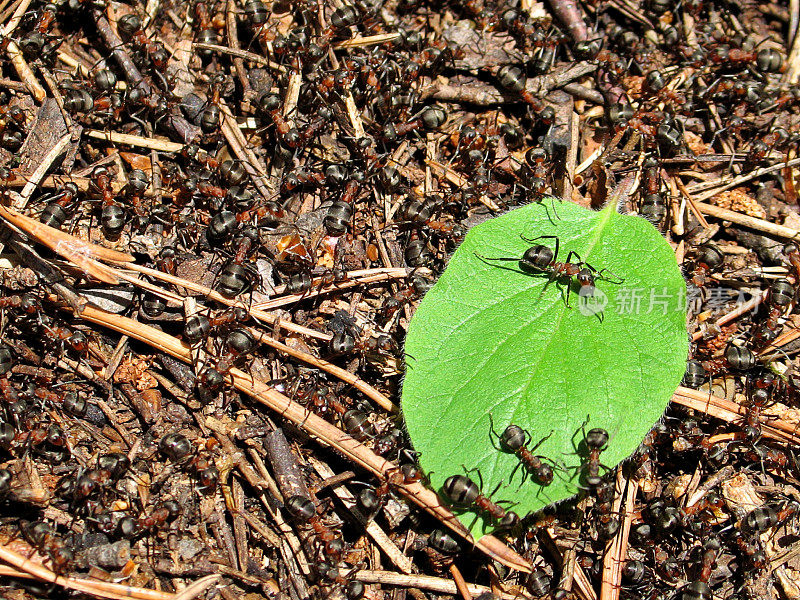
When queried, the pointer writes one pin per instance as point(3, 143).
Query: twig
point(36, 177)
point(748, 221)
point(100, 589)
point(426, 582)
point(736, 313)
point(328, 367)
point(731, 412)
point(135, 140)
point(243, 54)
point(569, 14)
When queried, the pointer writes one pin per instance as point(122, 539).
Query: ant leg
point(485, 258)
point(599, 274)
point(578, 256)
point(540, 442)
point(493, 433)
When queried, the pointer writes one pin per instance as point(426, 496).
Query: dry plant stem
point(461, 584)
point(792, 73)
point(313, 425)
point(259, 315)
point(748, 221)
point(354, 278)
point(36, 177)
point(284, 465)
point(720, 185)
point(71, 248)
point(569, 14)
point(736, 313)
point(328, 367)
point(198, 587)
point(114, 43)
point(370, 40)
point(8, 9)
point(24, 71)
point(53, 181)
point(731, 412)
point(612, 562)
point(135, 140)
point(782, 340)
point(615, 558)
point(233, 40)
point(710, 483)
point(400, 560)
point(425, 582)
point(100, 589)
point(584, 587)
point(692, 204)
point(243, 54)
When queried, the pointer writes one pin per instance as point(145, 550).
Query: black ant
point(462, 491)
point(304, 510)
point(41, 536)
point(371, 500)
point(595, 441)
point(514, 439)
point(181, 451)
point(781, 295)
point(543, 259)
point(237, 343)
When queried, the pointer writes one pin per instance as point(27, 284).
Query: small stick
point(736, 313)
point(748, 221)
point(233, 42)
point(36, 177)
point(243, 54)
point(427, 582)
point(461, 584)
point(284, 465)
point(135, 140)
point(569, 14)
point(371, 40)
point(328, 367)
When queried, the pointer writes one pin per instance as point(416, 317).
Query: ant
point(199, 326)
point(462, 491)
point(371, 500)
point(236, 276)
point(59, 205)
point(43, 538)
point(180, 451)
point(514, 439)
point(238, 343)
point(595, 441)
point(543, 259)
point(112, 216)
point(304, 510)
point(781, 295)
point(709, 257)
point(329, 574)
point(653, 208)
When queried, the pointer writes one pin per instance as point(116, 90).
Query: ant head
point(585, 277)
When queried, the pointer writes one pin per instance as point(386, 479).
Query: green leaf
point(490, 339)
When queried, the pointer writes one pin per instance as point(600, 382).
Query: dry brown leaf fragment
point(739, 200)
point(696, 144)
point(134, 370)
